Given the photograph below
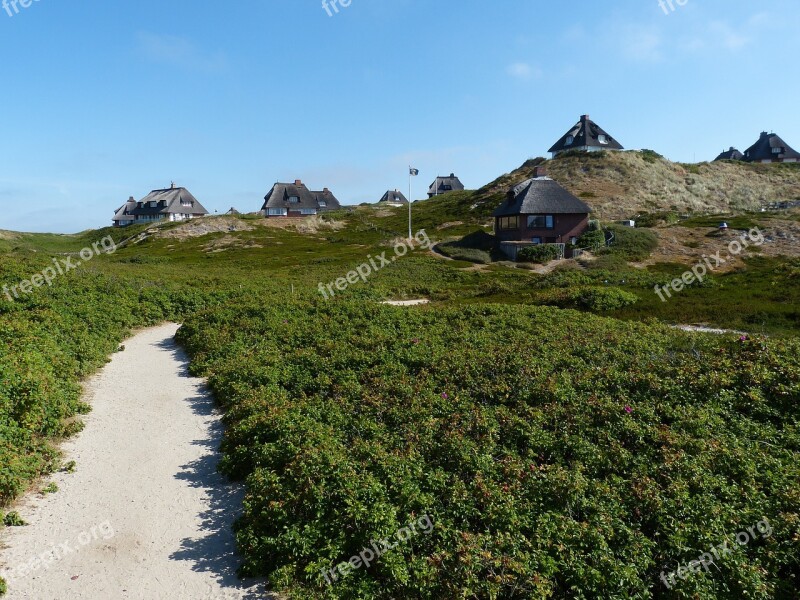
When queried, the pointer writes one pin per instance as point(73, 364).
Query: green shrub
point(632, 244)
point(604, 299)
point(650, 156)
point(542, 253)
point(466, 254)
point(592, 239)
point(13, 519)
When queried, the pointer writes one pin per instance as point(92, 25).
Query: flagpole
point(409, 202)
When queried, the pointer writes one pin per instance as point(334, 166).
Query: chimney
point(131, 199)
point(298, 182)
point(325, 190)
point(452, 175)
point(584, 118)
point(540, 171)
point(764, 134)
point(172, 185)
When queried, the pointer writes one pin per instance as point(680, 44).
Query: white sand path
point(145, 515)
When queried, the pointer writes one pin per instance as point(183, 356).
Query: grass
point(366, 394)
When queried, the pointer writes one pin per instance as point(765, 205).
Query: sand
point(145, 514)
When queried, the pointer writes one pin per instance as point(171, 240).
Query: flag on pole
point(413, 171)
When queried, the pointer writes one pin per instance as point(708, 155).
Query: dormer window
point(570, 139)
point(153, 204)
point(777, 150)
point(294, 199)
point(187, 203)
point(323, 203)
point(602, 139)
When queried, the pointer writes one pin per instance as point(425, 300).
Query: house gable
point(585, 135)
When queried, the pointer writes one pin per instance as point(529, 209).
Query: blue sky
point(104, 100)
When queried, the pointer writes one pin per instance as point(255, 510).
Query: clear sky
point(104, 99)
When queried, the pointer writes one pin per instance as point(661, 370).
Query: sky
point(105, 100)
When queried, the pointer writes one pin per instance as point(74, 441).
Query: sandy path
point(145, 515)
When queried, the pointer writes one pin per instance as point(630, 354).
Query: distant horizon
point(113, 101)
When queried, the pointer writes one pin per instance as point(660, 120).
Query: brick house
point(540, 211)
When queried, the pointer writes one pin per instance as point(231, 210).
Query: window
point(323, 203)
point(602, 139)
point(187, 203)
point(153, 204)
point(573, 240)
point(570, 139)
point(294, 200)
point(308, 211)
point(540, 222)
point(777, 150)
point(447, 187)
point(277, 212)
point(506, 223)
point(536, 240)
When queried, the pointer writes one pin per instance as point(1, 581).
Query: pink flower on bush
point(628, 409)
point(445, 396)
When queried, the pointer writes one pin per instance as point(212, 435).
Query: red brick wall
point(564, 227)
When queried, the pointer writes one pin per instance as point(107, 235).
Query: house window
point(540, 222)
point(536, 240)
point(573, 240)
point(187, 203)
point(308, 211)
point(277, 212)
point(323, 203)
point(777, 150)
point(153, 204)
point(294, 200)
point(506, 223)
point(602, 139)
point(570, 139)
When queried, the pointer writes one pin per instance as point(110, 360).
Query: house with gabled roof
point(587, 136)
point(770, 148)
point(169, 204)
point(730, 154)
point(442, 185)
point(540, 211)
point(393, 198)
point(296, 200)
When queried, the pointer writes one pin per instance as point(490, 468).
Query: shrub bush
point(604, 299)
point(543, 253)
point(632, 244)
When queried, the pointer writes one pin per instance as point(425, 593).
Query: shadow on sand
point(216, 551)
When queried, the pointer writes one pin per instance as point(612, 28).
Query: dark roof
point(394, 196)
point(585, 133)
point(442, 185)
point(764, 149)
point(125, 212)
point(169, 201)
point(233, 211)
point(278, 197)
point(731, 154)
point(540, 196)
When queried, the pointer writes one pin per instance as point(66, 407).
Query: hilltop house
point(171, 204)
point(296, 200)
point(539, 211)
point(393, 198)
point(730, 154)
point(587, 136)
point(770, 148)
point(442, 185)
